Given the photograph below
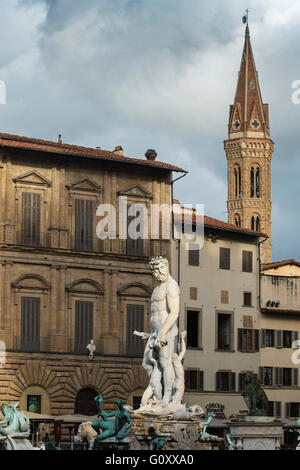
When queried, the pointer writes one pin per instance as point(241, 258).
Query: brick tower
point(249, 152)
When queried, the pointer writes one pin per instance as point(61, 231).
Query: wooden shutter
point(279, 339)
point(225, 258)
point(84, 222)
point(30, 313)
point(201, 380)
point(134, 247)
point(135, 322)
point(295, 376)
point(263, 338)
point(232, 382)
point(247, 261)
point(218, 381)
point(256, 340)
point(240, 339)
point(241, 381)
point(194, 258)
point(287, 410)
point(83, 325)
point(277, 409)
point(261, 375)
point(295, 337)
point(187, 379)
point(31, 219)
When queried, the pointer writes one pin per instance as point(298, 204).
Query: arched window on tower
point(255, 223)
point(237, 220)
point(257, 182)
point(240, 182)
point(252, 182)
point(237, 182)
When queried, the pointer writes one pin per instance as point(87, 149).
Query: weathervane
point(245, 18)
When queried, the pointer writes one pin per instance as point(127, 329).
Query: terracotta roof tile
point(220, 224)
point(278, 264)
point(26, 143)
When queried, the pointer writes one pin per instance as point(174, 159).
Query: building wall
point(59, 275)
point(288, 270)
point(285, 289)
point(210, 280)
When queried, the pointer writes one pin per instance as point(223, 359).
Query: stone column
point(105, 312)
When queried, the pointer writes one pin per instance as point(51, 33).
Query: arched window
point(257, 182)
point(255, 223)
point(252, 182)
point(85, 403)
point(237, 220)
point(237, 182)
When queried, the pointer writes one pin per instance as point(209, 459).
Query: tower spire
point(248, 114)
point(249, 152)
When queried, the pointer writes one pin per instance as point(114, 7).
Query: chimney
point(151, 155)
point(60, 139)
point(119, 150)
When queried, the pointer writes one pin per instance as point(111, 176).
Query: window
point(194, 380)
point(135, 322)
point(247, 262)
point(266, 375)
point(269, 338)
point(224, 331)
point(237, 182)
point(193, 293)
point(224, 297)
point(247, 299)
point(194, 254)
point(248, 340)
point(287, 339)
point(34, 403)
point(225, 381)
point(84, 224)
point(30, 314)
point(255, 223)
point(135, 247)
point(31, 219)
point(83, 325)
point(255, 182)
point(274, 409)
point(193, 329)
point(237, 220)
point(286, 376)
point(292, 410)
point(225, 258)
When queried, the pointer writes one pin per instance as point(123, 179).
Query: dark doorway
point(85, 403)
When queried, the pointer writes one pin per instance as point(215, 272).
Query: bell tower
point(249, 152)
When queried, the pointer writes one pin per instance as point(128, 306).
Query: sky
point(157, 74)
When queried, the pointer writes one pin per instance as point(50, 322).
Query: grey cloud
point(159, 73)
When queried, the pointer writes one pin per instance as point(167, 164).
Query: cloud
point(157, 74)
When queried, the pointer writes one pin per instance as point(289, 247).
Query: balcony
point(33, 346)
point(134, 248)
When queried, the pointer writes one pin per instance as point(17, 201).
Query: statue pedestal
point(18, 441)
point(112, 443)
point(181, 434)
point(256, 432)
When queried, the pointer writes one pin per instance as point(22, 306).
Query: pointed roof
point(248, 113)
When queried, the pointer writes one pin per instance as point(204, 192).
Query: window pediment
point(85, 184)
point(137, 191)
point(32, 178)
